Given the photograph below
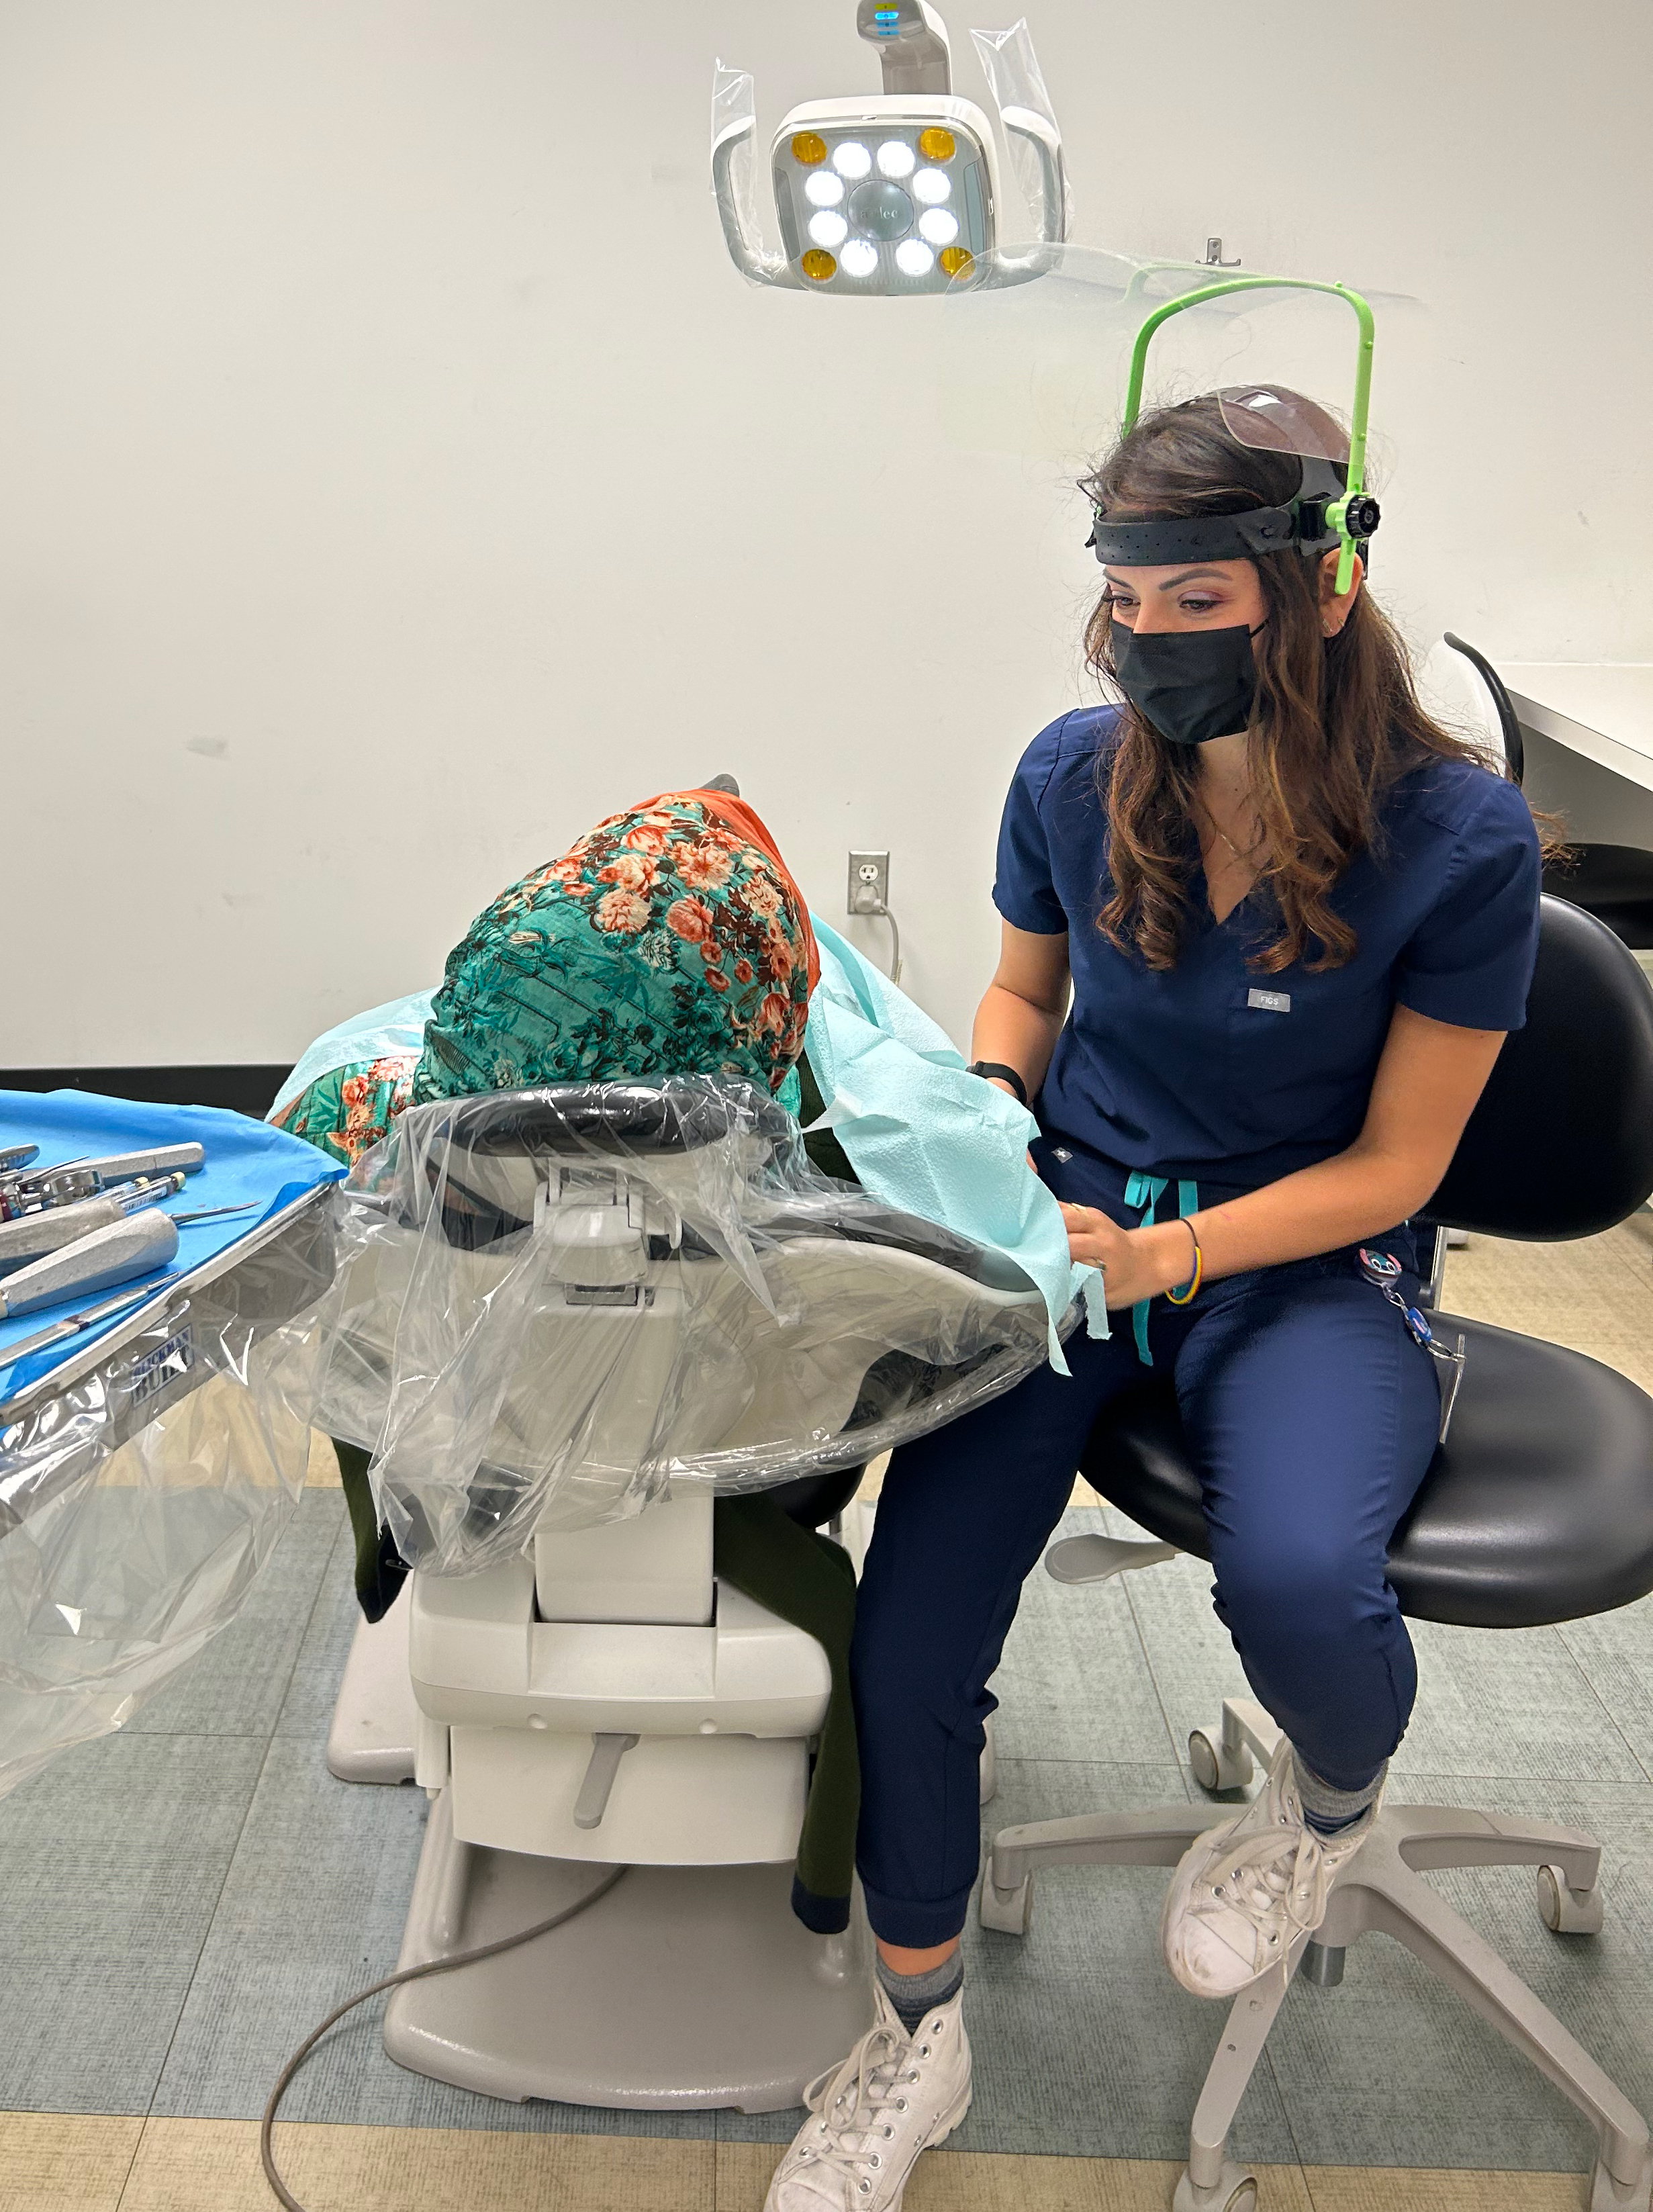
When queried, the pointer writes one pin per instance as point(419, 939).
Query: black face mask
point(1190, 685)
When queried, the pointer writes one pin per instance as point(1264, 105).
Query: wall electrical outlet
point(869, 882)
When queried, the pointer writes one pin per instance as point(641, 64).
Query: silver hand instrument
point(31, 1236)
point(88, 1317)
point(13, 1156)
point(137, 1244)
point(120, 1167)
point(70, 1187)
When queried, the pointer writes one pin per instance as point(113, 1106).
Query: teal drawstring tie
point(1145, 1191)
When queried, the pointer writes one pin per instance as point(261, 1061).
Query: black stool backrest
point(1509, 723)
point(1561, 1143)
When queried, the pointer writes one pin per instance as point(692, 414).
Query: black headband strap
point(1194, 537)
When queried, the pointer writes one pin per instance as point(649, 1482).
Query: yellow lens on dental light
point(955, 260)
point(935, 145)
point(819, 265)
point(809, 148)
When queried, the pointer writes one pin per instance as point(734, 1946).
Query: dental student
point(1265, 927)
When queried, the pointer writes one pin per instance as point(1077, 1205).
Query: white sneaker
point(894, 2096)
point(1246, 1891)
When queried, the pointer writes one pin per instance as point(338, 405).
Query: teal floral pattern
point(348, 1108)
point(668, 940)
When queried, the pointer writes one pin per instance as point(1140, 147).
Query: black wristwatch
point(988, 1068)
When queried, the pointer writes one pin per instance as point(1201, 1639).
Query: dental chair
point(1539, 1508)
point(567, 1319)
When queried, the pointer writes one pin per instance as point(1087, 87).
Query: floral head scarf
point(669, 940)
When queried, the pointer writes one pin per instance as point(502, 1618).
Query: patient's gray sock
point(914, 1996)
point(1329, 1811)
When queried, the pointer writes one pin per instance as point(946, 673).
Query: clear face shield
point(1054, 370)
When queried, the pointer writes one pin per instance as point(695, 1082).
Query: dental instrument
point(81, 1178)
point(137, 1244)
point(88, 1317)
point(48, 1229)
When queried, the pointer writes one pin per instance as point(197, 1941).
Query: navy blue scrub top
point(1211, 1069)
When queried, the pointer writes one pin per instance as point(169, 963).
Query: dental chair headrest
point(486, 1152)
point(574, 1119)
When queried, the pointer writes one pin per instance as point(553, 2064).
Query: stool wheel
point(1567, 1912)
point(1009, 1911)
point(1236, 2191)
point(1215, 1766)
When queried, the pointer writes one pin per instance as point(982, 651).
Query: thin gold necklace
point(1244, 859)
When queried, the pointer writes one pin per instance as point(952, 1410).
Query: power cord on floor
point(266, 2132)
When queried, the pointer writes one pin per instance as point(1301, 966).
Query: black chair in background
point(1539, 1508)
point(1612, 882)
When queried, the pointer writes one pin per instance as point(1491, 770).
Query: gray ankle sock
point(1328, 1810)
point(913, 1995)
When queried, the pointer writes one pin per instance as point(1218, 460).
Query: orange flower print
point(633, 871)
point(691, 919)
point(717, 979)
point(646, 837)
point(742, 971)
point(775, 1014)
point(761, 897)
point(779, 959)
point(354, 1091)
point(712, 953)
point(703, 868)
point(621, 912)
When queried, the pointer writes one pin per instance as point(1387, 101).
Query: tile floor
point(182, 1901)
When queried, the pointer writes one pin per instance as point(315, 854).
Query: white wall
point(394, 476)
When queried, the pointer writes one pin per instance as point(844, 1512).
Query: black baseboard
point(245, 1089)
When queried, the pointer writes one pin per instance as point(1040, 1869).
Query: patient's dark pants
point(1312, 1415)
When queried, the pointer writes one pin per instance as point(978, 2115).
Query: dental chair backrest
point(568, 1304)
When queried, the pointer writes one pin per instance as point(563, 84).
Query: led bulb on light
point(929, 187)
point(859, 258)
point(896, 158)
point(938, 225)
point(829, 227)
point(823, 189)
point(852, 159)
point(914, 259)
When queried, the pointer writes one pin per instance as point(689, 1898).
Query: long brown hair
point(1336, 723)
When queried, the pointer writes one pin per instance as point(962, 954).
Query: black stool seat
point(1612, 882)
point(1538, 1508)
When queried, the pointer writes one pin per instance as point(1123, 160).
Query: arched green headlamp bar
point(1327, 511)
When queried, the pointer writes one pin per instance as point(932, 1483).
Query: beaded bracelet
point(1185, 1296)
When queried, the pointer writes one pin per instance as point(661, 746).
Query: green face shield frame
point(1326, 513)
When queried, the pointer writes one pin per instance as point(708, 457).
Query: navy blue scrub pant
point(1312, 1415)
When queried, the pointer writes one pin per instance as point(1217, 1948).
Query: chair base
point(683, 1988)
point(1378, 1890)
point(375, 1721)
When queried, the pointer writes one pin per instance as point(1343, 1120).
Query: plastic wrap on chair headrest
point(556, 1304)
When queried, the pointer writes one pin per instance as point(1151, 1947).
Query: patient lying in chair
point(669, 940)
point(672, 943)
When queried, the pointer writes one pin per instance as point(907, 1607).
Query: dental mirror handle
point(157, 1159)
point(135, 1245)
point(34, 1235)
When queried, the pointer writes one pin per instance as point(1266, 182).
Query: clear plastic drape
point(552, 1304)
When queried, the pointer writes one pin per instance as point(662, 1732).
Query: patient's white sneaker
point(894, 2096)
point(1243, 1893)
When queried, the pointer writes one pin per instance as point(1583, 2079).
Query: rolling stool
point(1538, 1508)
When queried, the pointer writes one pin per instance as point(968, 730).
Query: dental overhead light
point(894, 193)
